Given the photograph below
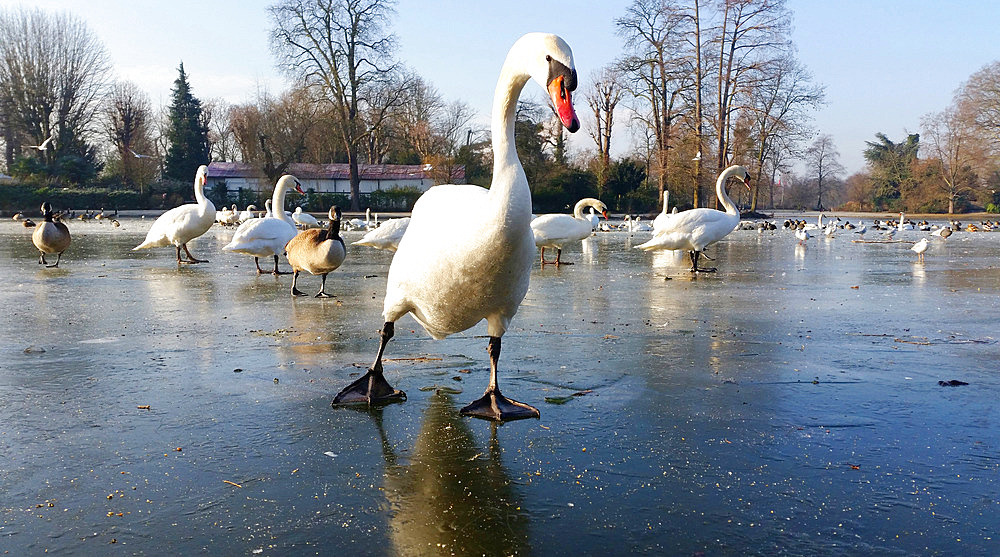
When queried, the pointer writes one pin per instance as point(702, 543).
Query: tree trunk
point(352, 159)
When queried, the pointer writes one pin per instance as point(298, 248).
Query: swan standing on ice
point(468, 251)
point(664, 217)
point(556, 230)
point(318, 251)
point(268, 236)
point(919, 248)
point(305, 220)
point(180, 225)
point(247, 213)
point(696, 229)
point(387, 236)
point(50, 237)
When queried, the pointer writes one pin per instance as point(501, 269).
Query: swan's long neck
point(278, 204)
point(578, 209)
point(666, 201)
point(509, 191)
point(720, 191)
point(199, 192)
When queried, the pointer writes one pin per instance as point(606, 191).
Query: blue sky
point(885, 64)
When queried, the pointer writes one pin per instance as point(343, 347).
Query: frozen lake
point(788, 404)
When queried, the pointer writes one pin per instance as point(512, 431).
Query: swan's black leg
point(372, 388)
point(493, 405)
point(256, 261)
point(694, 264)
point(558, 256)
point(191, 258)
point(276, 272)
point(295, 278)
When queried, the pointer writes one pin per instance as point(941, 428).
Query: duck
point(180, 225)
point(387, 236)
point(268, 235)
point(696, 229)
point(304, 220)
point(556, 230)
point(318, 251)
point(919, 248)
point(468, 251)
point(247, 214)
point(28, 223)
point(50, 237)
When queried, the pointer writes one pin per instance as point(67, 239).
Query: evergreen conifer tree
point(187, 132)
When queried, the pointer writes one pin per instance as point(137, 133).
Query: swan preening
point(182, 224)
point(557, 230)
point(50, 237)
point(317, 251)
point(695, 229)
point(467, 252)
point(268, 236)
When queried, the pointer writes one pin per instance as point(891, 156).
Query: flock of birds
point(447, 281)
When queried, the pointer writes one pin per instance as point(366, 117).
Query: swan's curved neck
point(580, 206)
point(508, 173)
point(666, 201)
point(720, 191)
point(199, 192)
point(278, 204)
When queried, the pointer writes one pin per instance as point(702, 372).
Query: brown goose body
point(50, 237)
point(317, 251)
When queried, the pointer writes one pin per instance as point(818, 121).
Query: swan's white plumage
point(695, 229)
point(182, 224)
point(304, 219)
point(467, 252)
point(267, 236)
point(386, 236)
point(556, 230)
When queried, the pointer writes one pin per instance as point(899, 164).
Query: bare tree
point(823, 160)
point(955, 152)
point(654, 32)
point(220, 130)
point(341, 47)
point(272, 133)
point(53, 73)
point(752, 31)
point(603, 97)
point(128, 122)
point(778, 107)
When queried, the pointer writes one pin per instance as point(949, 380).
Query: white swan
point(180, 225)
point(50, 237)
point(802, 234)
point(305, 220)
point(318, 251)
point(594, 219)
point(387, 236)
point(467, 253)
point(556, 230)
point(664, 217)
point(919, 248)
point(695, 229)
point(267, 236)
point(247, 213)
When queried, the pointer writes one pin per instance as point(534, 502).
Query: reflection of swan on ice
point(468, 251)
point(452, 494)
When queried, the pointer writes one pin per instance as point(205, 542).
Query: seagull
point(44, 145)
point(919, 248)
point(138, 156)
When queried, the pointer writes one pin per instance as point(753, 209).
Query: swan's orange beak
point(605, 213)
point(563, 101)
point(298, 188)
point(746, 182)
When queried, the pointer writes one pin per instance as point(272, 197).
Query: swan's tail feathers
point(649, 245)
point(144, 245)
